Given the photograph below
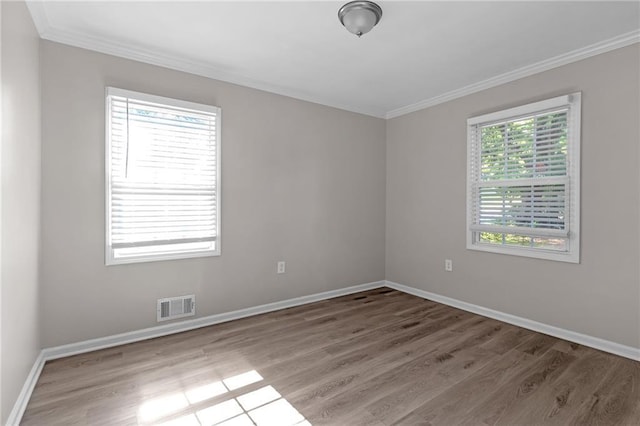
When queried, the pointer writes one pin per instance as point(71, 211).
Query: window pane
point(525, 148)
point(557, 244)
point(495, 238)
point(505, 239)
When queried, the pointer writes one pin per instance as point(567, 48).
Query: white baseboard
point(25, 394)
point(572, 336)
point(179, 327)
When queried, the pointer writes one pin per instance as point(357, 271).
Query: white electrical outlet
point(281, 267)
point(448, 265)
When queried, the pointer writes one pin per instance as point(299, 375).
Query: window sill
point(568, 257)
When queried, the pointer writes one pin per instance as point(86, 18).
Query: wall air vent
point(176, 307)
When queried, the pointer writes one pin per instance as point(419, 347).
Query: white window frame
point(573, 103)
point(155, 252)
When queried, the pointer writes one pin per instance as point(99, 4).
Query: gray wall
point(301, 182)
point(20, 199)
point(426, 202)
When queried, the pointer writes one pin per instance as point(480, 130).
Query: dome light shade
point(359, 17)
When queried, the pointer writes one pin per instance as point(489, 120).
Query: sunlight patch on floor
point(261, 407)
point(276, 413)
point(202, 393)
point(219, 412)
point(259, 397)
point(236, 382)
point(161, 407)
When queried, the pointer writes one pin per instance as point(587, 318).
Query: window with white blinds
point(523, 185)
point(162, 176)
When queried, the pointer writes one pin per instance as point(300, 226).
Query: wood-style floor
point(379, 357)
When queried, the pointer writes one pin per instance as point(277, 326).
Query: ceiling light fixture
point(359, 17)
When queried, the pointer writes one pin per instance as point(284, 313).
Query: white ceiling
point(420, 54)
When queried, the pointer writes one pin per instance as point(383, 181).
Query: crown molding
point(557, 61)
point(149, 56)
point(39, 16)
point(175, 62)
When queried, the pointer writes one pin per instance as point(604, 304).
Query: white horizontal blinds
point(520, 181)
point(535, 210)
point(163, 174)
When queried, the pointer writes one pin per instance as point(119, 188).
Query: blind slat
point(161, 242)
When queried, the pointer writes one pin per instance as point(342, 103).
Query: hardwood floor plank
point(538, 345)
point(386, 374)
point(511, 338)
point(615, 400)
point(438, 361)
point(519, 389)
point(393, 399)
point(555, 402)
point(454, 403)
